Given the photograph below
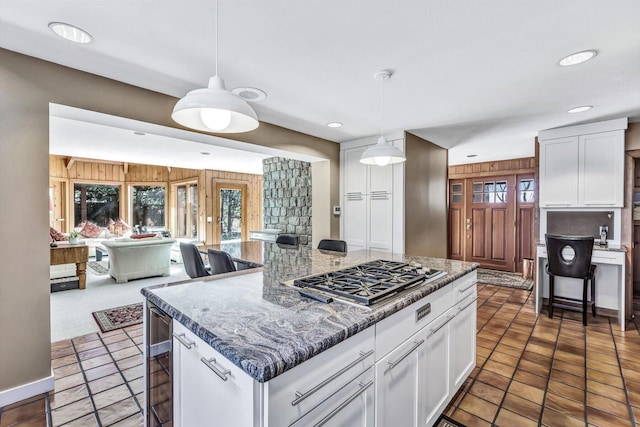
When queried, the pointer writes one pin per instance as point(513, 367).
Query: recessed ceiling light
point(334, 124)
point(70, 32)
point(205, 153)
point(580, 109)
point(137, 132)
point(250, 94)
point(577, 58)
point(472, 155)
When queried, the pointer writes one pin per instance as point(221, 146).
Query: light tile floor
point(531, 371)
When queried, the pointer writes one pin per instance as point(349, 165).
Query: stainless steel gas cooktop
point(366, 284)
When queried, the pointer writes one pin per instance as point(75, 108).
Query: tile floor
point(531, 371)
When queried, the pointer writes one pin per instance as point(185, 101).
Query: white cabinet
point(582, 170)
point(332, 386)
point(207, 388)
point(397, 380)
point(355, 212)
point(370, 208)
point(463, 341)
point(436, 371)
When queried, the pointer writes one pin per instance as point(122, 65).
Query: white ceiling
point(479, 77)
point(87, 134)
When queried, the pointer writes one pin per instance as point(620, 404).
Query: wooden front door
point(489, 222)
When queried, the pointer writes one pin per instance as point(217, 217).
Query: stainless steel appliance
point(159, 374)
point(366, 284)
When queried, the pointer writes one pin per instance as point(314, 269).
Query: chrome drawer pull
point(344, 404)
point(210, 364)
point(465, 307)
point(301, 396)
point(183, 340)
point(392, 364)
point(433, 331)
point(467, 288)
point(354, 193)
point(379, 192)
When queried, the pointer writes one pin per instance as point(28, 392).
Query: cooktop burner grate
point(369, 283)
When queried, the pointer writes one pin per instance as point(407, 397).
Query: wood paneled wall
point(502, 167)
point(62, 178)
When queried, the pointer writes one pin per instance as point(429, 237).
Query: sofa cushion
point(124, 227)
point(91, 230)
point(56, 236)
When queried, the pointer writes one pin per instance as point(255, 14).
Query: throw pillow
point(90, 230)
point(142, 236)
point(56, 236)
point(123, 226)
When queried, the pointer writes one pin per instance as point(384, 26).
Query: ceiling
point(476, 77)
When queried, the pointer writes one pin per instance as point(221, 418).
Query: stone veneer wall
point(287, 197)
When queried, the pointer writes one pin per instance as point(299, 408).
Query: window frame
point(129, 202)
point(71, 198)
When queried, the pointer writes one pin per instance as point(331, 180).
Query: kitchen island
point(249, 350)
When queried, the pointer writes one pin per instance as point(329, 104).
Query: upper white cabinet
point(583, 166)
point(355, 173)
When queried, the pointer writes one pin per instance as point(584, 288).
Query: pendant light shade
point(214, 108)
point(382, 153)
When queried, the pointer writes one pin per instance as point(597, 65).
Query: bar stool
point(570, 256)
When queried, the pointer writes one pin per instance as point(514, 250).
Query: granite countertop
point(265, 327)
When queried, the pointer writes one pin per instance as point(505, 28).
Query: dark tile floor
point(531, 371)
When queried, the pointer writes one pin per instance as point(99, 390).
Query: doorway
point(231, 219)
point(491, 220)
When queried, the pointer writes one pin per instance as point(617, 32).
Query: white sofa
point(138, 258)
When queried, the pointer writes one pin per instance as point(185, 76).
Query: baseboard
point(25, 391)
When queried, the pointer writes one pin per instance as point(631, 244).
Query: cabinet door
point(397, 378)
point(381, 222)
point(352, 405)
point(435, 383)
point(355, 222)
point(559, 172)
point(355, 173)
point(463, 341)
point(380, 179)
point(202, 397)
point(602, 169)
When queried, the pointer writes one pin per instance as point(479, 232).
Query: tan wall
point(61, 176)
point(27, 86)
point(425, 198)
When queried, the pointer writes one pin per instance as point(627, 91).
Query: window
point(147, 207)
point(526, 190)
point(187, 210)
point(456, 193)
point(95, 203)
point(490, 192)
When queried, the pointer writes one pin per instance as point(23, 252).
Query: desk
point(610, 279)
point(66, 253)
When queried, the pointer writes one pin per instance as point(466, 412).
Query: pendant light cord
point(217, 37)
point(382, 108)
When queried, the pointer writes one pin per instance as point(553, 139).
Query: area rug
point(502, 278)
point(99, 268)
point(445, 421)
point(118, 317)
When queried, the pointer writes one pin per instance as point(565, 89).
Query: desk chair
point(333, 245)
point(193, 263)
point(220, 262)
point(562, 264)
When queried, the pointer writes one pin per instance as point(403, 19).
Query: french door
point(231, 220)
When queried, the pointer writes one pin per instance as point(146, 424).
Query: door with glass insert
point(231, 210)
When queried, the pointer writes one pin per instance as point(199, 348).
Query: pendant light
point(214, 108)
point(382, 153)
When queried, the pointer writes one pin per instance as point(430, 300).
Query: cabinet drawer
point(299, 390)
point(465, 286)
point(397, 328)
